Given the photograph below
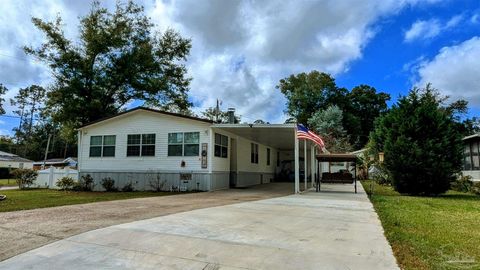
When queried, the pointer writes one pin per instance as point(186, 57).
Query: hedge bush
point(66, 183)
point(24, 177)
point(109, 184)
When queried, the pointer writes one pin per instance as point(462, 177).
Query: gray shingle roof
point(4, 156)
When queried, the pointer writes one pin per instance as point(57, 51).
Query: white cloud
point(475, 18)
point(241, 49)
point(423, 30)
point(428, 29)
point(454, 71)
point(454, 21)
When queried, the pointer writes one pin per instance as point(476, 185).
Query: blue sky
point(241, 49)
point(389, 63)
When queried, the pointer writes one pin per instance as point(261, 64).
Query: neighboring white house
point(70, 162)
point(145, 147)
point(8, 160)
point(471, 156)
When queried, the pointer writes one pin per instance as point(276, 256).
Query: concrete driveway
point(334, 229)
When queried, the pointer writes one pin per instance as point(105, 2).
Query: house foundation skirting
point(167, 181)
point(245, 179)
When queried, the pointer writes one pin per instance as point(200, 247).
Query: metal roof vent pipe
point(231, 115)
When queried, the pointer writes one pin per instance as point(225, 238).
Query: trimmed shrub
point(463, 183)
point(128, 188)
point(24, 177)
point(109, 184)
point(66, 183)
point(476, 188)
point(86, 183)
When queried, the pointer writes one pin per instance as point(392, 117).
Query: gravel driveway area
point(21, 231)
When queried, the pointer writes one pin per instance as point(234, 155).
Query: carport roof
point(280, 136)
point(337, 157)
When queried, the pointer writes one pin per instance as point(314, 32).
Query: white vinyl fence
point(48, 178)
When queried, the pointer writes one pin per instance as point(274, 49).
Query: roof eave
point(144, 109)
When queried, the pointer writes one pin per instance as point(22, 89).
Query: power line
point(18, 117)
point(19, 58)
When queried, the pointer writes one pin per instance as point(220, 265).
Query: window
point(475, 156)
point(467, 157)
point(102, 146)
point(221, 145)
point(141, 145)
point(268, 156)
point(191, 143)
point(254, 153)
point(184, 144)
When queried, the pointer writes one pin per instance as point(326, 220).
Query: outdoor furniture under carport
point(343, 178)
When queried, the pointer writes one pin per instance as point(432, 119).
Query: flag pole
point(305, 160)
point(297, 165)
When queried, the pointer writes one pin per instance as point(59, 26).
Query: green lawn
point(40, 198)
point(7, 182)
point(430, 232)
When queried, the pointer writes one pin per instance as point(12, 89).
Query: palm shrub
point(421, 142)
point(24, 177)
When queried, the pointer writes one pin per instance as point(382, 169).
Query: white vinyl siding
point(244, 163)
point(148, 123)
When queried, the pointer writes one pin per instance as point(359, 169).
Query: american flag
point(304, 133)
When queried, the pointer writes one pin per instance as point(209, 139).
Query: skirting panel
point(142, 181)
point(245, 179)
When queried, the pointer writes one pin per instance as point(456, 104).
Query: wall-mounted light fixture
point(381, 157)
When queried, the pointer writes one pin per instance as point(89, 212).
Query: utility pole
point(46, 151)
point(217, 110)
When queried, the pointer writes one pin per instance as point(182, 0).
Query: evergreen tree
point(29, 103)
point(421, 142)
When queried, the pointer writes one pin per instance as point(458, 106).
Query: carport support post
point(305, 161)
point(297, 165)
point(312, 163)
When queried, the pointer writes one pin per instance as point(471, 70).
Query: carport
point(283, 138)
point(339, 177)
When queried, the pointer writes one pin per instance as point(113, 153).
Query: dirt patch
point(21, 231)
